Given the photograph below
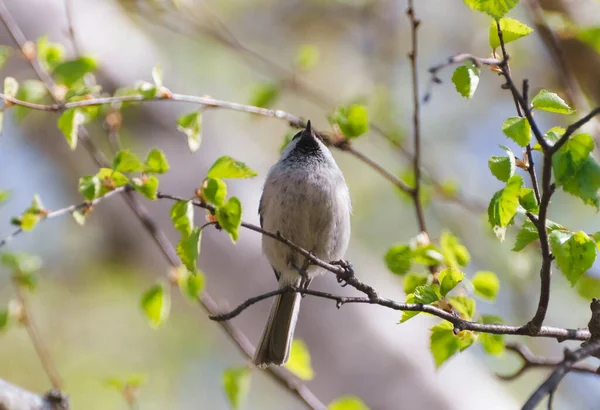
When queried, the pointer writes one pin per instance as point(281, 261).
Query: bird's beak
point(308, 132)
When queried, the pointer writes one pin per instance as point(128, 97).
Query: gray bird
point(305, 198)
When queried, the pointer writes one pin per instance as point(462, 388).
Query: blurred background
point(87, 304)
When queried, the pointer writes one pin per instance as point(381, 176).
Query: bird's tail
point(274, 346)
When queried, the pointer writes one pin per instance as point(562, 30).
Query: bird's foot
point(348, 271)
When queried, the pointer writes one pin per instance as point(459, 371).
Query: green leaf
point(590, 36)
point(455, 253)
point(21, 262)
point(299, 362)
point(307, 57)
point(495, 8)
point(264, 94)
point(426, 191)
point(464, 305)
point(146, 90)
point(575, 253)
point(528, 200)
point(190, 284)
point(72, 72)
point(227, 167)
point(586, 183)
point(427, 255)
point(588, 287)
point(425, 295)
point(466, 79)
point(215, 191)
point(503, 168)
point(486, 284)
point(126, 161)
point(69, 122)
point(191, 125)
point(236, 383)
point(157, 76)
point(493, 344)
point(511, 30)
point(571, 157)
point(229, 217)
point(347, 403)
point(110, 180)
point(505, 202)
point(182, 216)
point(352, 120)
point(413, 280)
point(548, 101)
point(79, 218)
point(156, 304)
point(529, 233)
point(448, 279)
point(32, 91)
point(156, 162)
point(49, 54)
point(4, 196)
point(398, 259)
point(4, 316)
point(147, 186)
point(188, 249)
point(11, 87)
point(444, 343)
point(518, 130)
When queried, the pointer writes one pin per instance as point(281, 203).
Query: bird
point(306, 200)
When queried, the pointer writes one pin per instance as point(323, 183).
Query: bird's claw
point(348, 271)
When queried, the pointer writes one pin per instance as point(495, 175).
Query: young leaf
point(126, 161)
point(511, 30)
point(49, 54)
point(503, 168)
point(413, 280)
point(588, 287)
point(4, 196)
point(215, 191)
point(347, 403)
point(188, 249)
point(486, 284)
point(90, 186)
point(191, 125)
point(504, 203)
point(156, 162)
point(444, 344)
point(32, 91)
point(11, 87)
point(182, 216)
point(299, 362)
point(529, 233)
point(548, 101)
point(157, 76)
point(71, 72)
point(190, 284)
point(156, 304)
point(147, 186)
point(21, 262)
point(575, 253)
point(518, 130)
point(236, 383)
point(448, 279)
point(264, 94)
point(307, 57)
point(528, 201)
point(586, 183)
point(495, 8)
point(227, 167)
point(464, 305)
point(492, 344)
point(229, 217)
point(69, 123)
point(146, 89)
point(423, 294)
point(352, 120)
point(398, 259)
point(571, 157)
point(466, 79)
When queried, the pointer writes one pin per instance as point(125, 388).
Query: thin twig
point(531, 361)
point(564, 367)
point(412, 55)
point(26, 318)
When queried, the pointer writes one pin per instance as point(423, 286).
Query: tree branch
point(16, 398)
